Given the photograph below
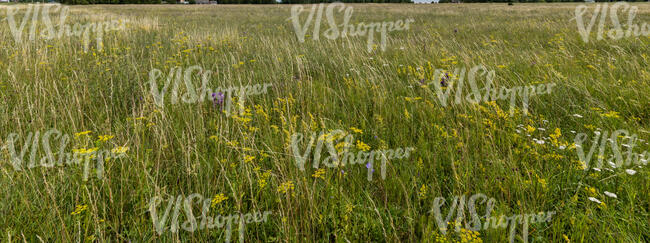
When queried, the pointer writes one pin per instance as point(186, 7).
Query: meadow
point(243, 161)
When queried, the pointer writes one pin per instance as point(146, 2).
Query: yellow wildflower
point(79, 209)
point(356, 130)
point(542, 182)
point(263, 180)
point(362, 146)
point(319, 173)
point(79, 134)
point(611, 114)
point(423, 190)
point(104, 138)
point(530, 129)
point(248, 158)
point(218, 199)
point(120, 150)
point(286, 187)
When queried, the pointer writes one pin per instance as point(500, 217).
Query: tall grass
point(461, 149)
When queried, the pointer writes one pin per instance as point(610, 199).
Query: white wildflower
point(594, 200)
point(609, 194)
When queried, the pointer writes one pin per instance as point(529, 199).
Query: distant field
point(244, 161)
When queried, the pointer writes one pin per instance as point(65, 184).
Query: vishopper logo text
point(602, 138)
point(33, 140)
point(443, 84)
point(47, 29)
point(340, 152)
point(221, 97)
point(617, 32)
point(474, 223)
point(204, 221)
point(346, 29)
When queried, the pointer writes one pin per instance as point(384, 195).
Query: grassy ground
point(460, 149)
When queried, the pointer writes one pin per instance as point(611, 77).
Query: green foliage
point(320, 85)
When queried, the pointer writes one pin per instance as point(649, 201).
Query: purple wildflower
point(443, 81)
point(217, 98)
point(221, 98)
point(369, 166)
point(214, 101)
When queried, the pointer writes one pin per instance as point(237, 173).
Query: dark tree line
point(345, 1)
point(73, 2)
point(246, 1)
point(534, 1)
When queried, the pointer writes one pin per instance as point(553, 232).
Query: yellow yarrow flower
point(85, 151)
point(423, 190)
point(79, 134)
point(120, 150)
point(530, 129)
point(104, 138)
point(319, 173)
point(611, 114)
point(263, 180)
point(286, 187)
point(79, 209)
point(362, 146)
point(542, 182)
point(218, 199)
point(248, 158)
point(356, 130)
